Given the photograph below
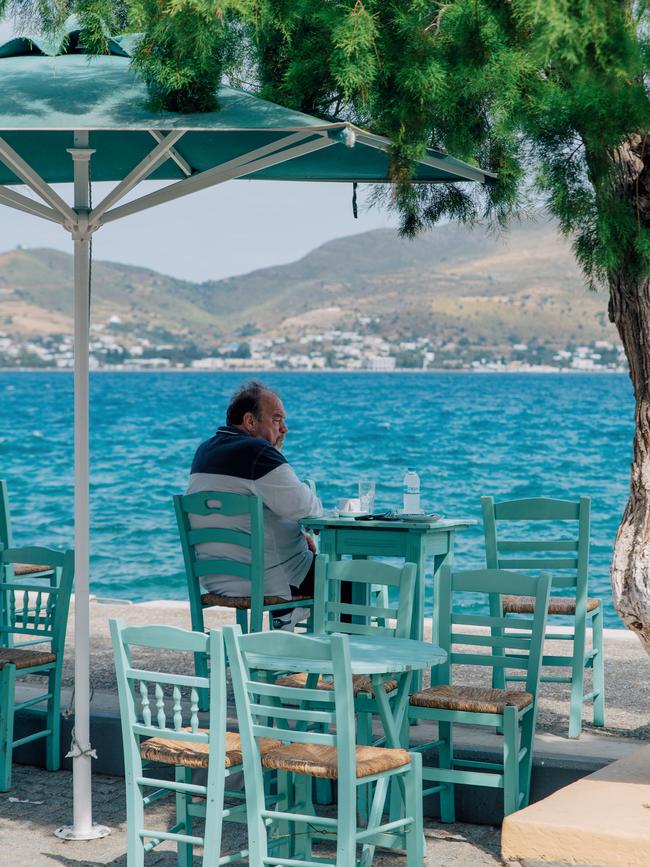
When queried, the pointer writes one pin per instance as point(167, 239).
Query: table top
point(369, 654)
point(320, 522)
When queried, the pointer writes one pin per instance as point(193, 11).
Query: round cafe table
point(380, 658)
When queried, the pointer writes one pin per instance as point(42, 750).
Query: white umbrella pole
point(81, 751)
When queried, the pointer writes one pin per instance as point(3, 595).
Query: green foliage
point(550, 95)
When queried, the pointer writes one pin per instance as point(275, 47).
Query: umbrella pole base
point(67, 832)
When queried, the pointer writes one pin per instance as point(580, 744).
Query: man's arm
point(283, 493)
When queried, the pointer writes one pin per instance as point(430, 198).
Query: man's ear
point(249, 421)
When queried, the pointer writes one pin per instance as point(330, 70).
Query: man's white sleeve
point(283, 493)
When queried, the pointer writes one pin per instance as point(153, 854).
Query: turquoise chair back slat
point(216, 534)
point(219, 502)
point(458, 630)
point(566, 516)
point(537, 509)
point(223, 567)
point(329, 609)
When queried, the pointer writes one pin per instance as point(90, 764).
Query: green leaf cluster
point(550, 94)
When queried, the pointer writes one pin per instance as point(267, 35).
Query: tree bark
point(629, 310)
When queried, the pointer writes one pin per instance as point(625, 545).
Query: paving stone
point(41, 801)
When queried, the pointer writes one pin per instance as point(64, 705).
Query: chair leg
point(413, 807)
point(510, 761)
point(346, 831)
point(184, 775)
point(7, 693)
point(242, 619)
point(526, 764)
point(599, 667)
point(53, 723)
point(364, 737)
point(134, 820)
point(446, 760)
point(577, 681)
point(257, 836)
point(374, 817)
point(303, 804)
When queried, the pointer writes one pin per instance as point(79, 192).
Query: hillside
point(452, 285)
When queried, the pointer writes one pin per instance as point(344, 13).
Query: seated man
point(244, 457)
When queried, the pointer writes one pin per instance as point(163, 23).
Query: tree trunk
point(629, 310)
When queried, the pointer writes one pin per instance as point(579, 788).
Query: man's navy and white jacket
point(231, 461)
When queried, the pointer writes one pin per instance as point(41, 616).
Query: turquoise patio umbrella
point(65, 117)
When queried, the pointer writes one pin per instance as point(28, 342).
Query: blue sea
point(511, 435)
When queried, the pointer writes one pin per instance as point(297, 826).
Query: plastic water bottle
point(411, 493)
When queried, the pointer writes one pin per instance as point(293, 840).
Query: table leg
point(439, 561)
point(414, 553)
point(392, 714)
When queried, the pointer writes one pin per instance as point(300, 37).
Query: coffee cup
point(349, 504)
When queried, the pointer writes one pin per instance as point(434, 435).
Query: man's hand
point(311, 544)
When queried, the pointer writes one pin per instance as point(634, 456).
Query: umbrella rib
point(238, 167)
point(144, 168)
point(180, 161)
point(23, 203)
point(445, 164)
point(26, 173)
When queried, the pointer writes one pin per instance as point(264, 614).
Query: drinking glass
point(366, 495)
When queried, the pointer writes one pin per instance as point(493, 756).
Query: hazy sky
point(231, 229)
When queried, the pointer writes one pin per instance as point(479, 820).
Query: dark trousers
point(306, 588)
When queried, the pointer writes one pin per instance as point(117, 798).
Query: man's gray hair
point(247, 398)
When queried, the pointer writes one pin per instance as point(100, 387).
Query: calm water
point(466, 434)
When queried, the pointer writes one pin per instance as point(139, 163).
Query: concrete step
point(603, 818)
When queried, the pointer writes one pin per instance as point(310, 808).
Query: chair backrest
point(163, 703)
point(34, 609)
point(292, 714)
point(241, 539)
point(484, 638)
point(560, 544)
point(6, 540)
point(328, 608)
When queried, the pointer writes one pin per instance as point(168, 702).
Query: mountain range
point(451, 283)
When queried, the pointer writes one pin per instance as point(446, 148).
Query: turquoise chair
point(33, 621)
point(480, 640)
point(317, 733)
point(568, 559)
point(247, 512)
point(372, 618)
point(161, 729)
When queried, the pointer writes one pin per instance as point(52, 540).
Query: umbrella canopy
point(60, 112)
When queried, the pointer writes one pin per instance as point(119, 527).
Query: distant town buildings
point(364, 345)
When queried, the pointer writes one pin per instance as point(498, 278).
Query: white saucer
point(352, 515)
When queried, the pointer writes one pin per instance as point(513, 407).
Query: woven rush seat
point(556, 605)
point(195, 755)
point(29, 568)
point(244, 602)
point(321, 761)
point(25, 658)
point(360, 683)
point(475, 699)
